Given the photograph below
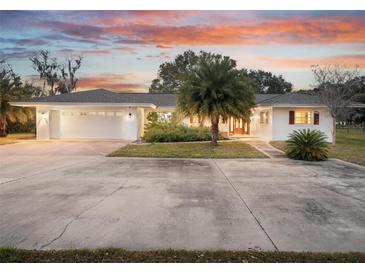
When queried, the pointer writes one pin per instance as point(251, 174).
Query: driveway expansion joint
point(246, 205)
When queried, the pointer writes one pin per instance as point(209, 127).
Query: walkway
point(267, 149)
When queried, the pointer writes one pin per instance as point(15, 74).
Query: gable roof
point(103, 96)
point(100, 96)
point(293, 98)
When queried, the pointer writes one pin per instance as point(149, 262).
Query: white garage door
point(98, 125)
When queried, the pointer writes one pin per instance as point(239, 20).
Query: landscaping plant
point(308, 145)
point(11, 89)
point(174, 132)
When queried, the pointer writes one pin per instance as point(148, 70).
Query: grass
point(349, 146)
point(234, 149)
point(116, 255)
point(14, 138)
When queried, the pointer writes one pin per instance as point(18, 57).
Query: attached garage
point(95, 114)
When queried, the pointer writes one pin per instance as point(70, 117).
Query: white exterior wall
point(55, 124)
point(257, 129)
point(52, 124)
point(281, 127)
point(223, 127)
point(43, 128)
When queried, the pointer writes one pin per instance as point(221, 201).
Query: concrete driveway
point(57, 195)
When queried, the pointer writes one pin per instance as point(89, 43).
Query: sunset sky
point(122, 50)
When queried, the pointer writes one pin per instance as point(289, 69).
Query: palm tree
point(214, 88)
point(11, 89)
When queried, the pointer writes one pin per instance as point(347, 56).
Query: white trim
point(75, 104)
point(294, 106)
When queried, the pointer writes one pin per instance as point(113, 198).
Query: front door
point(239, 126)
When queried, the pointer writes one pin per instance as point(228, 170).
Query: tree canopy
point(59, 77)
point(269, 83)
point(337, 87)
point(12, 89)
point(170, 75)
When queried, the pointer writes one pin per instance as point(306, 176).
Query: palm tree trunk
point(214, 130)
point(3, 132)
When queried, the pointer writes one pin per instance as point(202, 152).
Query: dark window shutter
point(316, 118)
point(291, 117)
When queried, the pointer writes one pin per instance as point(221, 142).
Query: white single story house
point(103, 114)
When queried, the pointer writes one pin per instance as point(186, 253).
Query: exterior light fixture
point(129, 115)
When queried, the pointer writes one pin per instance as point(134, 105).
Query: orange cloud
point(151, 16)
point(159, 28)
point(115, 82)
point(347, 60)
point(315, 30)
point(163, 47)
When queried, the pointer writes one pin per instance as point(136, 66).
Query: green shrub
point(173, 132)
point(17, 127)
point(308, 145)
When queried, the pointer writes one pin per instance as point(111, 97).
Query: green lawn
point(349, 146)
point(14, 138)
point(225, 149)
point(115, 255)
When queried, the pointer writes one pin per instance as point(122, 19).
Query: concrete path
point(57, 200)
point(267, 149)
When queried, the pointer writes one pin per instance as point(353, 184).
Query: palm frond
point(308, 145)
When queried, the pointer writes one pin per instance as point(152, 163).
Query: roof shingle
point(166, 99)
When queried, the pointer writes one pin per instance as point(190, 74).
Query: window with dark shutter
point(316, 118)
point(291, 117)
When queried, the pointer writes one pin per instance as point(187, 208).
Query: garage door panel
point(98, 125)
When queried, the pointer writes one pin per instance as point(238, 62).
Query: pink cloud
point(286, 30)
point(115, 82)
point(347, 60)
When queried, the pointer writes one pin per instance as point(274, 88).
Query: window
point(83, 113)
point(110, 114)
point(101, 113)
point(119, 114)
point(93, 113)
point(303, 117)
point(68, 113)
point(264, 117)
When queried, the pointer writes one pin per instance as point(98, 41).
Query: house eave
point(293, 106)
point(74, 104)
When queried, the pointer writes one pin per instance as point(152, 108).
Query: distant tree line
point(171, 74)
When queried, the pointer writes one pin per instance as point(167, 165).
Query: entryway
point(239, 126)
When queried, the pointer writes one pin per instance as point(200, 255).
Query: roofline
point(35, 104)
point(293, 105)
point(309, 106)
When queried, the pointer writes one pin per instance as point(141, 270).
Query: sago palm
point(308, 145)
point(214, 88)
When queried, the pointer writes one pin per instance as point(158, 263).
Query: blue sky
point(122, 50)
